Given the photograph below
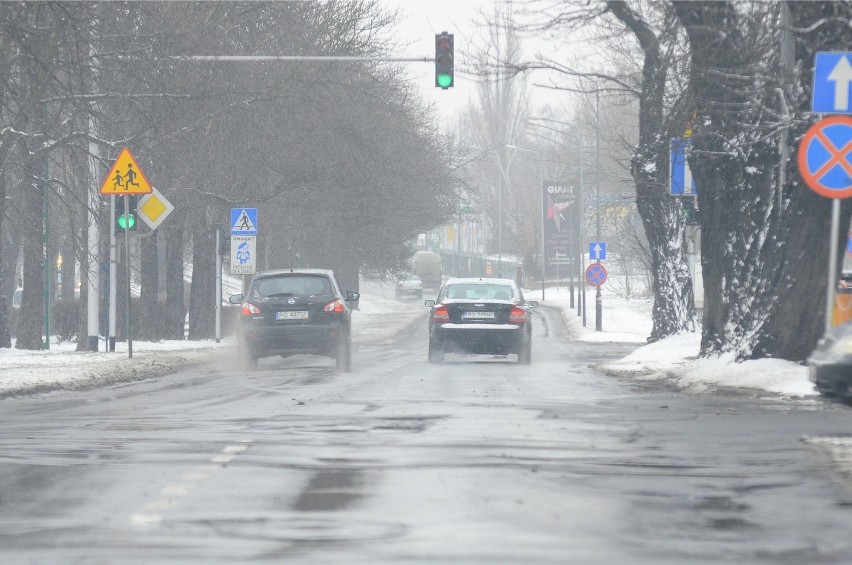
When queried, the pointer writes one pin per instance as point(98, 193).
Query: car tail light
point(441, 314)
point(249, 309)
point(335, 306)
point(517, 315)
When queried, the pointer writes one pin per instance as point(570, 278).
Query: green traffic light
point(126, 222)
point(445, 80)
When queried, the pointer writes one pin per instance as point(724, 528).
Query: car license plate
point(294, 315)
point(478, 315)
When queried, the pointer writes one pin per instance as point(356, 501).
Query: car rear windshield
point(479, 292)
point(291, 285)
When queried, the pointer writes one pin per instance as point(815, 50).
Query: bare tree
point(498, 120)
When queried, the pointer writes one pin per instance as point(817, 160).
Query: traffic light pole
point(113, 276)
point(265, 58)
point(218, 285)
point(128, 324)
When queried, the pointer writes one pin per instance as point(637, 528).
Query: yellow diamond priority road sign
point(154, 208)
point(125, 177)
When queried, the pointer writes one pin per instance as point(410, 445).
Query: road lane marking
point(150, 513)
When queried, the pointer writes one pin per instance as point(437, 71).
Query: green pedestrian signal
point(127, 221)
point(444, 60)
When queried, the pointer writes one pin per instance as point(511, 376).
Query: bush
point(65, 319)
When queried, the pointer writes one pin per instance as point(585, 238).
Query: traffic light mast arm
point(262, 58)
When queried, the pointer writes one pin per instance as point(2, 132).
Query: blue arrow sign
point(597, 250)
point(832, 75)
point(681, 182)
point(243, 221)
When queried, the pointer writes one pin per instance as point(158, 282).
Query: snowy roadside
point(379, 319)
point(61, 367)
point(675, 359)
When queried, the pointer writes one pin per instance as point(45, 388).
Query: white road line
point(170, 494)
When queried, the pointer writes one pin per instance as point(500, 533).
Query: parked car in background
point(480, 316)
point(830, 364)
point(409, 286)
point(286, 312)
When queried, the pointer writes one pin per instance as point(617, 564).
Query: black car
point(480, 316)
point(830, 364)
point(295, 311)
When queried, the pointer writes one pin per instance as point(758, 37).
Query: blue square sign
point(832, 75)
point(243, 221)
point(597, 250)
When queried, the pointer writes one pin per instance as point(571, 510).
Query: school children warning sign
point(125, 177)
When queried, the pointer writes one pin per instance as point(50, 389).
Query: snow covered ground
point(380, 317)
point(674, 358)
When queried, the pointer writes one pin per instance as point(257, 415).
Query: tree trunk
point(202, 291)
point(31, 318)
point(149, 313)
point(662, 216)
point(174, 316)
point(68, 270)
point(5, 333)
point(764, 263)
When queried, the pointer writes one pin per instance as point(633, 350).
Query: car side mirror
point(236, 299)
point(429, 303)
point(352, 296)
point(532, 303)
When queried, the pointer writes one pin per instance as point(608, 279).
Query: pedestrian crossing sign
point(125, 177)
point(243, 221)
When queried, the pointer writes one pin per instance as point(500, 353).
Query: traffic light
point(690, 211)
point(129, 221)
point(444, 60)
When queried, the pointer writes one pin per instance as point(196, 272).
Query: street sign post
point(125, 177)
point(832, 75)
point(243, 254)
point(825, 157)
point(597, 250)
point(243, 221)
point(681, 182)
point(825, 164)
point(595, 274)
point(154, 208)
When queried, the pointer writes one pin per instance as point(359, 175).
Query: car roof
point(480, 280)
point(300, 271)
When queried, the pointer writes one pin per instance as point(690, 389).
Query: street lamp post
point(598, 297)
point(540, 213)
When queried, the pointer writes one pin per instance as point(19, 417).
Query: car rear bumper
point(498, 339)
point(292, 339)
point(832, 378)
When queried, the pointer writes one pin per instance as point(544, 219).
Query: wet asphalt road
point(477, 460)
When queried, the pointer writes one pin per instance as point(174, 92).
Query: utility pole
point(598, 297)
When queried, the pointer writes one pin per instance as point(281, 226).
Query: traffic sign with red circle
point(595, 274)
point(825, 157)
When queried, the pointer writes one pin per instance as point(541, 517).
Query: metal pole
point(542, 212)
point(113, 278)
point(128, 324)
point(581, 287)
point(598, 297)
point(832, 262)
point(46, 266)
point(218, 286)
point(500, 221)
